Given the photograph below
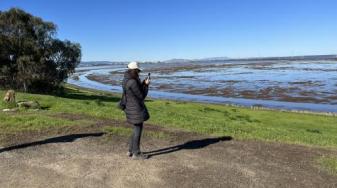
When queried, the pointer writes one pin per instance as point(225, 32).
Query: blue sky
point(164, 29)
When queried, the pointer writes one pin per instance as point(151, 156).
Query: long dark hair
point(134, 73)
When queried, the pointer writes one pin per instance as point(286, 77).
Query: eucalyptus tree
point(31, 57)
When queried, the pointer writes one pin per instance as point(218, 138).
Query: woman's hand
point(147, 81)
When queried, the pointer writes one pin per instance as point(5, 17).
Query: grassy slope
point(240, 123)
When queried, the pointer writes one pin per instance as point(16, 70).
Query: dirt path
point(89, 158)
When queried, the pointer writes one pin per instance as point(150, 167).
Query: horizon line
point(205, 58)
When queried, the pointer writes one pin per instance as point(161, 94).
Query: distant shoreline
point(332, 57)
point(221, 104)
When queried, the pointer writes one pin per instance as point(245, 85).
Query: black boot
point(139, 156)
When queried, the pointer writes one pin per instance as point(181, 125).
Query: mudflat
point(276, 80)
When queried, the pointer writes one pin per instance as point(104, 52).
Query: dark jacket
point(135, 93)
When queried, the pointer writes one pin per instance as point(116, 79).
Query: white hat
point(133, 65)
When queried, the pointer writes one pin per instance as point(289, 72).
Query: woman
point(136, 112)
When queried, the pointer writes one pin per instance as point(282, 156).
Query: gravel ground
point(86, 157)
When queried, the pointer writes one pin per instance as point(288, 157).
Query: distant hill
point(193, 60)
point(213, 59)
point(177, 60)
point(293, 58)
point(99, 63)
point(289, 58)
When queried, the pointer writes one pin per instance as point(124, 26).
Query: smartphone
point(149, 76)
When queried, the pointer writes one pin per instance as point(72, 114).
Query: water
point(291, 85)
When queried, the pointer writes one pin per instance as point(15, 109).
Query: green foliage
point(9, 105)
point(24, 122)
point(314, 131)
point(155, 134)
point(120, 131)
point(329, 163)
point(99, 102)
point(31, 58)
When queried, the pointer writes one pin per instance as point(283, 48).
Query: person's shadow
point(59, 139)
point(194, 144)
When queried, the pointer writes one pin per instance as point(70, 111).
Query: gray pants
point(134, 145)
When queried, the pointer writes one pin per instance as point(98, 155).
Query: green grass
point(121, 131)
point(211, 119)
point(15, 123)
point(329, 163)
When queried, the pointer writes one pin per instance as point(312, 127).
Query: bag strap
point(124, 92)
